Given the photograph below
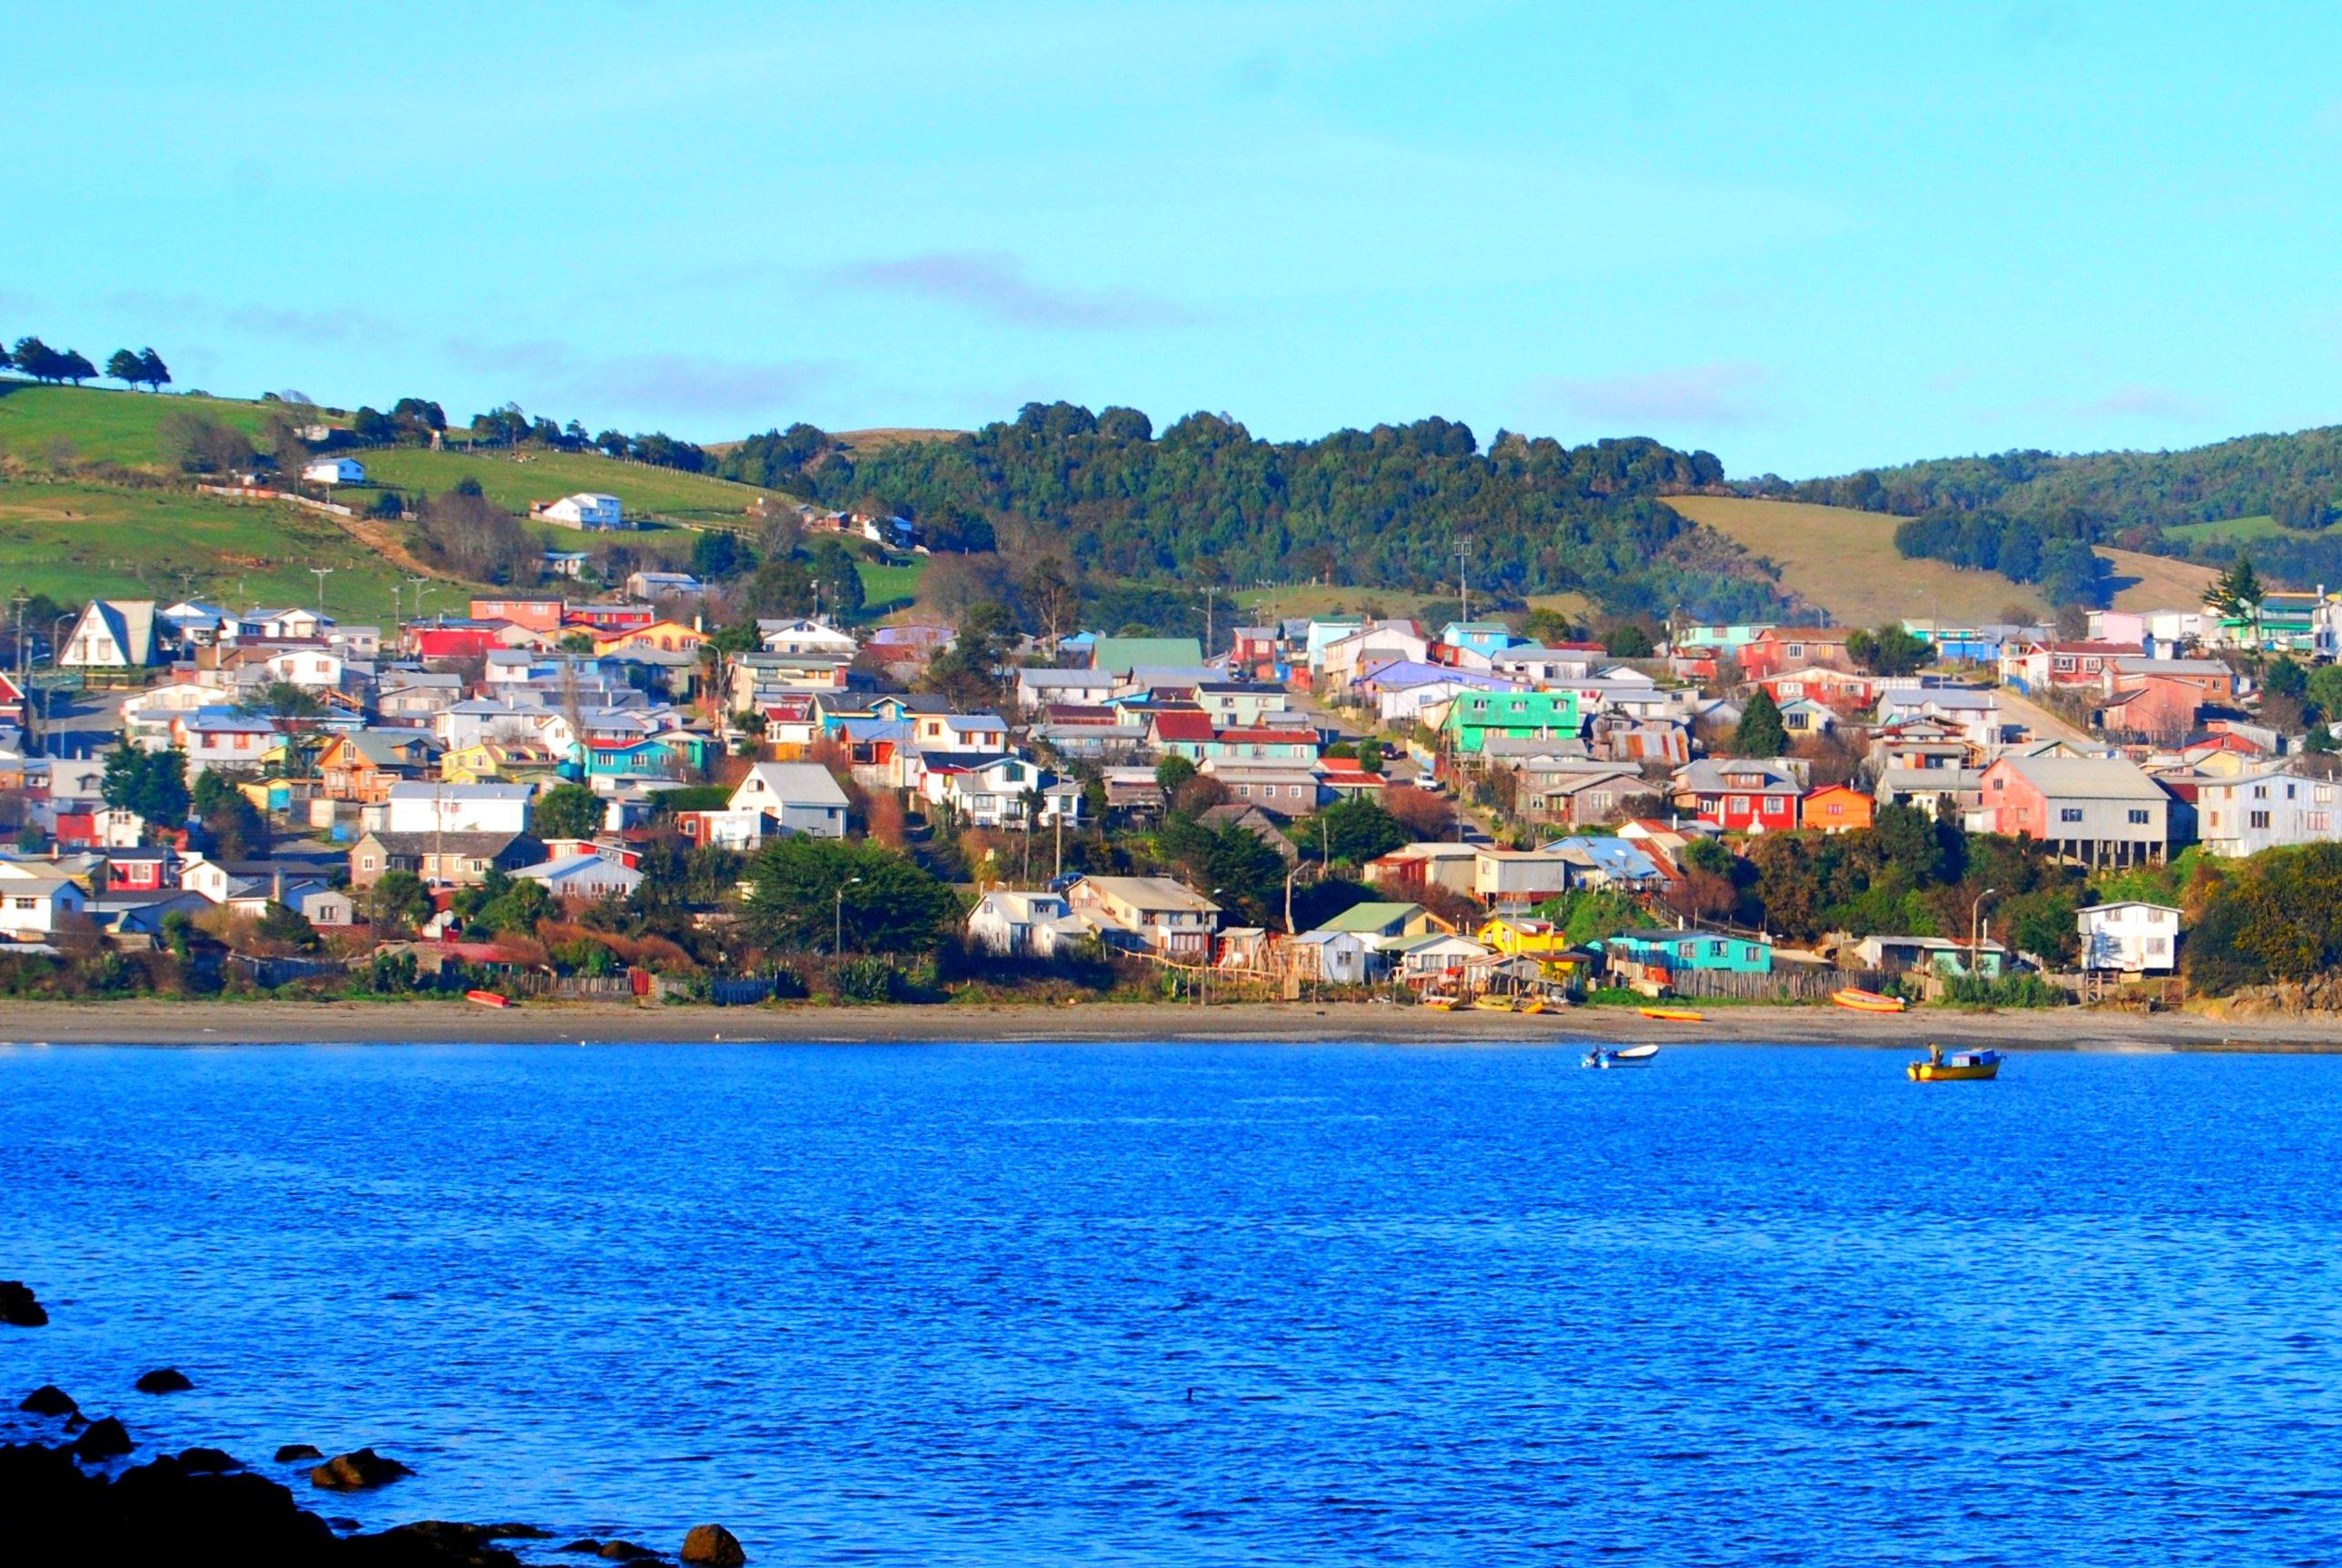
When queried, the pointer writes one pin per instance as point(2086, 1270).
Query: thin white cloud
point(1727, 392)
point(994, 284)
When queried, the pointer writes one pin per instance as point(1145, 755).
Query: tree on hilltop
point(152, 370)
point(124, 367)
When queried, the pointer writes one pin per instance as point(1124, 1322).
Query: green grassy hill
point(47, 425)
point(75, 542)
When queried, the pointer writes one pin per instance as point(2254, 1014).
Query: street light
point(838, 920)
point(1975, 910)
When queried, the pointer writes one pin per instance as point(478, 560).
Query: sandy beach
point(264, 1023)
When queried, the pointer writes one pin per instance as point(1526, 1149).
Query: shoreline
point(1299, 1023)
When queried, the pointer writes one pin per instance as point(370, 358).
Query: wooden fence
point(1798, 984)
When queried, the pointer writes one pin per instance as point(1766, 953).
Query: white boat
point(1626, 1055)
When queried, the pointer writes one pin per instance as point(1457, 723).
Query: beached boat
point(1492, 1003)
point(1439, 1001)
point(1673, 1014)
point(1867, 1000)
point(1532, 1004)
point(488, 998)
point(1959, 1066)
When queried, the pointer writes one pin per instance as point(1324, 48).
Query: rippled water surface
point(1241, 1304)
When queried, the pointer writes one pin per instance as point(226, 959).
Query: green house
point(1474, 715)
point(1693, 951)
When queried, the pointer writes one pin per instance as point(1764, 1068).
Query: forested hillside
point(2031, 515)
point(1207, 502)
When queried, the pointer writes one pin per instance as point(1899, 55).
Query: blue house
point(1691, 950)
point(1481, 636)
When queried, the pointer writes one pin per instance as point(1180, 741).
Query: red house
point(1739, 794)
point(453, 641)
point(536, 614)
point(1781, 648)
point(136, 871)
point(610, 617)
point(1818, 683)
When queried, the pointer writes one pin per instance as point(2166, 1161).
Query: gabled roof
point(2099, 778)
point(1183, 724)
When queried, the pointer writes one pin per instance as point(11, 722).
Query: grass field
point(1846, 562)
point(120, 428)
point(2238, 528)
point(76, 541)
point(891, 586)
point(101, 425)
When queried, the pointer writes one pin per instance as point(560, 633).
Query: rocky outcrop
point(104, 1440)
point(18, 1307)
point(360, 1469)
point(163, 1380)
point(170, 1511)
point(49, 1399)
point(295, 1453)
point(713, 1546)
point(208, 1461)
point(625, 1551)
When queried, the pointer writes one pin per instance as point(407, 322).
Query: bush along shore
point(74, 1500)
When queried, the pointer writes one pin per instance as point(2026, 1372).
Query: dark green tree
point(1761, 732)
point(123, 366)
point(1350, 832)
point(812, 891)
point(152, 370)
point(154, 784)
point(567, 812)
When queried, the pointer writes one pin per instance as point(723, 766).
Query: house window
point(2069, 813)
point(2158, 945)
point(2320, 821)
point(2256, 819)
point(2138, 816)
point(24, 903)
point(366, 862)
point(2260, 791)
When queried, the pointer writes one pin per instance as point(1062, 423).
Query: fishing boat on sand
point(1956, 1067)
point(1867, 1000)
point(1673, 1014)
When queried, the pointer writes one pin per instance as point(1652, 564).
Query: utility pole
point(321, 574)
point(1462, 586)
point(1209, 590)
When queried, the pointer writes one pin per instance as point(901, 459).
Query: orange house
point(1836, 808)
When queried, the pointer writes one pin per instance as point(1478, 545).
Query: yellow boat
point(1673, 1014)
point(1960, 1066)
point(1438, 1003)
point(1531, 1004)
point(1486, 1003)
point(1867, 1000)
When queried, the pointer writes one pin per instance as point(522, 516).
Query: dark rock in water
point(360, 1469)
point(508, 1532)
point(18, 1307)
point(76, 1422)
point(164, 1379)
point(624, 1552)
point(51, 1511)
point(433, 1543)
point(208, 1462)
point(50, 1399)
point(104, 1440)
point(713, 1546)
point(585, 1544)
point(293, 1452)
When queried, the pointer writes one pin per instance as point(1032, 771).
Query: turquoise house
point(1474, 715)
point(1714, 950)
point(1481, 636)
point(1733, 636)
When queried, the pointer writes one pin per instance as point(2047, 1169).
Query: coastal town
point(634, 793)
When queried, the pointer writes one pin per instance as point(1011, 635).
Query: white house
point(805, 634)
point(333, 471)
point(2130, 936)
point(1013, 924)
point(583, 877)
point(801, 795)
point(315, 668)
point(991, 791)
point(656, 586)
point(585, 509)
point(1335, 957)
point(1149, 912)
point(437, 808)
point(112, 634)
point(2265, 810)
point(32, 907)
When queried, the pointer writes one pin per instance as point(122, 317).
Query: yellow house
point(658, 637)
point(1521, 937)
point(498, 762)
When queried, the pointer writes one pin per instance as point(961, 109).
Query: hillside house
point(444, 859)
point(1658, 954)
point(1779, 648)
point(1517, 879)
point(112, 634)
point(1148, 914)
point(1474, 715)
point(1025, 925)
point(333, 471)
point(585, 509)
point(1739, 794)
point(2051, 665)
point(2266, 808)
point(2098, 812)
point(2129, 936)
point(801, 795)
point(1838, 809)
point(590, 877)
point(437, 806)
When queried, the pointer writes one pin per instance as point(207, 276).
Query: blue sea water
point(1256, 1305)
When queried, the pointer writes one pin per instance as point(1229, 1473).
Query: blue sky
point(1808, 238)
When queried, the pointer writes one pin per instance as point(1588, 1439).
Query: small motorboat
point(1531, 1004)
point(1440, 1001)
point(1956, 1067)
point(1673, 1014)
point(1867, 1000)
point(1487, 1003)
point(1625, 1056)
